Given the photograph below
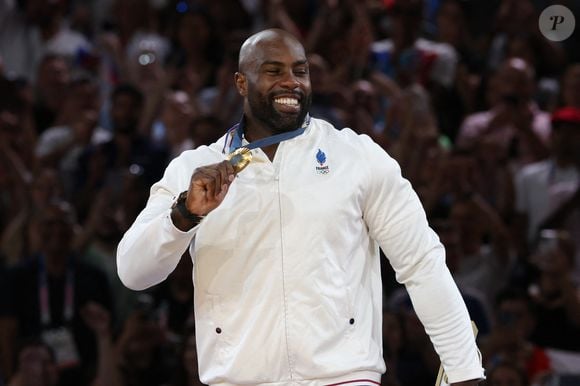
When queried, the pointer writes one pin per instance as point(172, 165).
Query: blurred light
point(181, 7)
point(136, 170)
point(147, 58)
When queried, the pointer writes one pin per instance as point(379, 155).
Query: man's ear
point(241, 83)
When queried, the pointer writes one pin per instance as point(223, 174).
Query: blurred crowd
point(96, 97)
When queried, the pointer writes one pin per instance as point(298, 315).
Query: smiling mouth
point(287, 104)
point(287, 101)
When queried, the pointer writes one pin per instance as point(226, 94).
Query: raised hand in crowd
point(98, 319)
point(35, 365)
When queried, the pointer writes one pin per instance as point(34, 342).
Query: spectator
point(146, 72)
point(341, 34)
point(17, 163)
point(115, 206)
point(407, 57)
point(173, 129)
point(415, 360)
point(98, 319)
point(509, 339)
point(127, 147)
point(61, 146)
point(130, 19)
point(187, 373)
point(19, 239)
point(144, 358)
point(364, 111)
point(483, 266)
point(328, 97)
point(53, 77)
point(229, 15)
point(515, 23)
point(475, 298)
point(554, 293)
point(206, 129)
point(514, 122)
point(462, 97)
point(39, 26)
point(506, 374)
point(36, 365)
point(173, 300)
point(547, 191)
point(194, 53)
point(412, 135)
point(52, 287)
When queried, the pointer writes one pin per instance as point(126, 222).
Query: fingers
point(214, 178)
point(209, 186)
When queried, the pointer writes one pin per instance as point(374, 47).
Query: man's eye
point(272, 72)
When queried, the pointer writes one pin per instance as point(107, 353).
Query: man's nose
point(290, 80)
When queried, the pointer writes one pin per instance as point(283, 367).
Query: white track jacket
point(286, 270)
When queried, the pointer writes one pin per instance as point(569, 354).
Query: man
point(548, 192)
point(515, 125)
point(286, 265)
point(44, 296)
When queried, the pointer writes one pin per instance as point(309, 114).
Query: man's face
point(278, 85)
point(514, 315)
point(56, 228)
point(406, 17)
point(505, 376)
point(53, 74)
point(514, 84)
point(125, 113)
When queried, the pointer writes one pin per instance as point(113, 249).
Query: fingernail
point(231, 177)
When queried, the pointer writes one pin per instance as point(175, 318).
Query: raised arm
point(151, 248)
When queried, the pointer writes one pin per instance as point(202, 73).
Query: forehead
point(282, 50)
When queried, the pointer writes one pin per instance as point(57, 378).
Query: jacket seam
point(290, 367)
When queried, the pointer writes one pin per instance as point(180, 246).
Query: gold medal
point(240, 158)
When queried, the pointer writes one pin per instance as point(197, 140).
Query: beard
point(262, 106)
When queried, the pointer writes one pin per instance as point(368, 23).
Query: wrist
point(182, 217)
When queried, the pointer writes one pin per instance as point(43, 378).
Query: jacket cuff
point(173, 230)
point(461, 375)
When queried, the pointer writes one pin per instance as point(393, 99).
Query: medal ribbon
point(238, 132)
point(44, 297)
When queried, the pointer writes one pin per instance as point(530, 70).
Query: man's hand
point(97, 318)
point(208, 187)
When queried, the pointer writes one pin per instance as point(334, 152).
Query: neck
point(254, 131)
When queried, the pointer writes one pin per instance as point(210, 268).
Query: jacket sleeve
point(397, 221)
point(151, 248)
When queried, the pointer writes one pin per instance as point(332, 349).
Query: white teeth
point(287, 101)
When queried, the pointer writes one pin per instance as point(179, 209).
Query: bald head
point(255, 46)
point(274, 79)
